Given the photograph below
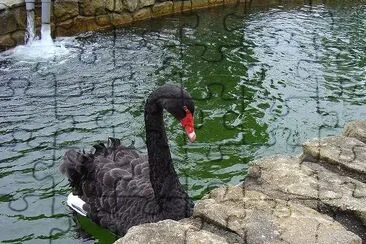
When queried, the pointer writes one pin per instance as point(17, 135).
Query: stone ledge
point(356, 129)
point(6, 4)
point(178, 232)
point(283, 199)
point(347, 154)
point(164, 8)
point(68, 15)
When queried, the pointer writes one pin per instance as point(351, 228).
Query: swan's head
point(180, 104)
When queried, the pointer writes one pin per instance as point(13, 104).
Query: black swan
point(117, 188)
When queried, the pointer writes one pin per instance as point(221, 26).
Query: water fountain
point(36, 48)
point(30, 34)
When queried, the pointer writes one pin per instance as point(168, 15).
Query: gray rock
point(4, 4)
point(142, 14)
point(310, 184)
point(258, 218)
point(18, 36)
point(356, 129)
point(8, 22)
point(145, 3)
point(94, 7)
point(133, 5)
point(316, 198)
point(252, 215)
point(121, 19)
point(109, 4)
point(163, 8)
point(283, 177)
point(346, 153)
point(63, 10)
point(115, 6)
point(181, 6)
point(169, 231)
point(7, 41)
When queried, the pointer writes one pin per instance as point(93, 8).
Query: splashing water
point(36, 49)
point(46, 38)
point(30, 34)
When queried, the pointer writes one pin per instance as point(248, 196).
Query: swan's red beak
point(188, 124)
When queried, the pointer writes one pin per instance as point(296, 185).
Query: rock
point(145, 3)
point(115, 6)
point(346, 153)
point(283, 176)
point(258, 218)
point(199, 4)
point(81, 24)
point(181, 6)
point(215, 2)
point(18, 37)
point(356, 129)
point(121, 19)
point(6, 41)
point(131, 5)
point(231, 2)
point(8, 22)
point(109, 5)
point(63, 10)
point(67, 14)
point(169, 231)
point(65, 28)
point(310, 184)
point(142, 14)
point(5, 4)
point(102, 21)
point(318, 197)
point(164, 8)
point(20, 17)
point(94, 7)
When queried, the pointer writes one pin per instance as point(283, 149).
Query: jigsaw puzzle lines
point(122, 93)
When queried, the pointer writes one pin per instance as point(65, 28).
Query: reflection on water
point(265, 79)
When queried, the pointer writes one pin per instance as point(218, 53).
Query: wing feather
point(115, 184)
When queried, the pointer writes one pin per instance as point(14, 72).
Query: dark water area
point(265, 79)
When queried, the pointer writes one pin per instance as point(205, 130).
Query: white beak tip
point(191, 136)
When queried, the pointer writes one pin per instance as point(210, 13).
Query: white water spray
point(46, 38)
point(43, 48)
point(30, 34)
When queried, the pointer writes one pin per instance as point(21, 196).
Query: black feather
point(121, 188)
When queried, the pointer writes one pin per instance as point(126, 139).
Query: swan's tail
point(77, 204)
point(75, 167)
point(78, 166)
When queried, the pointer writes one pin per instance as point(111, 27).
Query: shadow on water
point(265, 79)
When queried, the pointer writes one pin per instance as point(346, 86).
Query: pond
point(265, 79)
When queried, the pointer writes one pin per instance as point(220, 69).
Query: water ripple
point(265, 79)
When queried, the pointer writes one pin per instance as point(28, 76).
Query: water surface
point(265, 79)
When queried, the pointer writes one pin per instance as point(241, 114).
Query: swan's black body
point(122, 189)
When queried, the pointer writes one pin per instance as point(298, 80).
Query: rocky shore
point(317, 197)
point(71, 17)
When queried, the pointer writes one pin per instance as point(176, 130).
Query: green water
point(265, 79)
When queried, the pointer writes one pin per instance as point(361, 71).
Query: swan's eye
point(186, 109)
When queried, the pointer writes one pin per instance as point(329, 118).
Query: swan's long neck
point(163, 177)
